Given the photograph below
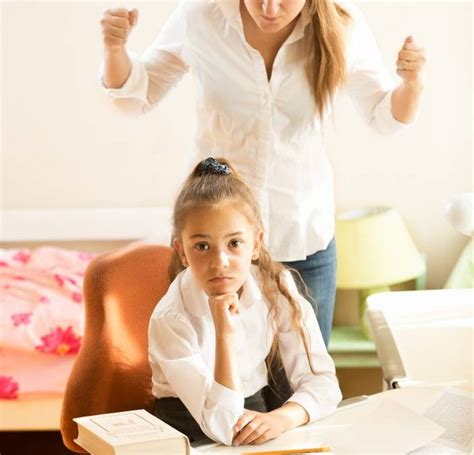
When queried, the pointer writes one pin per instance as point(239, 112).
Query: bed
point(43, 257)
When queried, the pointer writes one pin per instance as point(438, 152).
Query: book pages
point(454, 411)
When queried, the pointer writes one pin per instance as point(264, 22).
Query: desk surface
point(313, 435)
point(43, 413)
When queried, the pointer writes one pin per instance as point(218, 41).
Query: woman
point(267, 72)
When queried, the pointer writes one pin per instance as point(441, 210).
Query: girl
point(266, 73)
point(228, 309)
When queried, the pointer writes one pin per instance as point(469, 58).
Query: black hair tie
point(212, 166)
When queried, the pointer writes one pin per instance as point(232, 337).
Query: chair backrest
point(424, 336)
point(111, 372)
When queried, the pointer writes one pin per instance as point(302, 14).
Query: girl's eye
point(202, 246)
point(235, 243)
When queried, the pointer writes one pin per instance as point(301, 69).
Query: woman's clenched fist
point(116, 27)
point(411, 62)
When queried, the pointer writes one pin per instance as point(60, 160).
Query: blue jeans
point(319, 274)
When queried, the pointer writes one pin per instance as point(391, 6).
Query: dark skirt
point(172, 411)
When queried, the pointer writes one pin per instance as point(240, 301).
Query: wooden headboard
point(98, 230)
point(83, 224)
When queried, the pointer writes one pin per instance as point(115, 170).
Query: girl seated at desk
point(228, 309)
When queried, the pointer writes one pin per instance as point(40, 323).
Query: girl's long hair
point(326, 63)
point(211, 190)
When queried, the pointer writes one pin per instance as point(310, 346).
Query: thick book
point(129, 432)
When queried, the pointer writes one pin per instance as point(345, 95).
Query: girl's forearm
point(406, 100)
point(226, 371)
point(292, 414)
point(117, 68)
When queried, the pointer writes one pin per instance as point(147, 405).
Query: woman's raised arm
point(116, 27)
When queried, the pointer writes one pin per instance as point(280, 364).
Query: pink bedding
point(41, 318)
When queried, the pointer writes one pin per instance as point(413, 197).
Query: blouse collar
point(231, 12)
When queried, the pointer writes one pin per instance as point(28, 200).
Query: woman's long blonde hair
point(211, 190)
point(326, 63)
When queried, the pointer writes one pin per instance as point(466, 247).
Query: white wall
point(63, 145)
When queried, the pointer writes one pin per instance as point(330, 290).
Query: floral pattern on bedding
point(41, 318)
point(8, 388)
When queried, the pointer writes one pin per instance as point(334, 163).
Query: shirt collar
point(195, 300)
point(300, 27)
point(231, 12)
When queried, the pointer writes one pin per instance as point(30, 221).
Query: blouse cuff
point(385, 122)
point(226, 398)
point(222, 410)
point(133, 87)
point(315, 411)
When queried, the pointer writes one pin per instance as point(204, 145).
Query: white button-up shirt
point(268, 129)
point(181, 351)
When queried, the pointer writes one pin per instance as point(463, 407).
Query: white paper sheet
point(388, 428)
point(454, 411)
point(300, 438)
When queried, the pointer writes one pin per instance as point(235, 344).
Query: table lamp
point(460, 213)
point(374, 251)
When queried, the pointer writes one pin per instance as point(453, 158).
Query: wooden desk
point(33, 412)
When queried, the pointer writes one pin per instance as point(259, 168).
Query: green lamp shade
point(374, 249)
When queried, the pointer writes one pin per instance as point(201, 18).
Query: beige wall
point(63, 145)
point(419, 170)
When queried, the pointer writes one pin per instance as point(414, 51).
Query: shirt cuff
point(222, 409)
point(385, 122)
point(227, 398)
point(314, 409)
point(132, 87)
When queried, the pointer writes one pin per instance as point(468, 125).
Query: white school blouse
point(181, 351)
point(268, 129)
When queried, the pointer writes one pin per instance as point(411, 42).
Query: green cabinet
point(350, 349)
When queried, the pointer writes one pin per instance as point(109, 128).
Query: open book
point(129, 432)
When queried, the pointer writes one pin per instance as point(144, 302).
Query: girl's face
point(219, 245)
point(273, 15)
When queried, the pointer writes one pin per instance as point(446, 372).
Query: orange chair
point(111, 372)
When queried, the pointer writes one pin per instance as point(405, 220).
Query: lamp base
point(363, 294)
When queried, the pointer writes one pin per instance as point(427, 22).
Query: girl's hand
point(223, 308)
point(411, 62)
point(116, 27)
point(257, 427)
